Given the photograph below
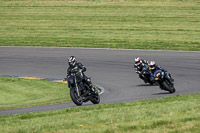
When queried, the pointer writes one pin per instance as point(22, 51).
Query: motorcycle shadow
point(161, 93)
point(147, 85)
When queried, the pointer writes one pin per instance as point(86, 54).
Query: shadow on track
point(146, 85)
point(161, 93)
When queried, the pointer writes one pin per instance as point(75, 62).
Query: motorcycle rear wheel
point(95, 99)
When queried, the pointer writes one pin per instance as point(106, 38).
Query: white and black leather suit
point(138, 68)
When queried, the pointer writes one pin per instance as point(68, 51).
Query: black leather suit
point(78, 69)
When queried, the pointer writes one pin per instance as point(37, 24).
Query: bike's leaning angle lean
point(164, 80)
point(80, 91)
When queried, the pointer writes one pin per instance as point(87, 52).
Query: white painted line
point(101, 89)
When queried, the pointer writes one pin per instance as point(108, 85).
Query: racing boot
point(91, 86)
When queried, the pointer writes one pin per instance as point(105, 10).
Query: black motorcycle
point(145, 73)
point(164, 80)
point(81, 92)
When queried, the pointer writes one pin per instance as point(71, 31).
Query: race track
point(109, 68)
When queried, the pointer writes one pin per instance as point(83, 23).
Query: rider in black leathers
point(75, 67)
point(139, 64)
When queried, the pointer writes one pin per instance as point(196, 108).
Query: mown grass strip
point(18, 92)
point(127, 24)
point(170, 114)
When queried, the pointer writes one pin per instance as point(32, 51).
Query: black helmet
point(72, 61)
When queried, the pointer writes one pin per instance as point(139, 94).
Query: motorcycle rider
point(153, 68)
point(75, 67)
point(139, 64)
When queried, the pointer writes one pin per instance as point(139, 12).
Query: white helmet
point(137, 61)
point(152, 65)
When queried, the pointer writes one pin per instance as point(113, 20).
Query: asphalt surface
point(110, 68)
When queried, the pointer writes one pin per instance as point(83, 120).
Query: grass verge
point(17, 92)
point(127, 24)
point(170, 114)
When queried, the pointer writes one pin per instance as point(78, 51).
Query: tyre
point(174, 90)
point(95, 99)
point(75, 98)
point(168, 87)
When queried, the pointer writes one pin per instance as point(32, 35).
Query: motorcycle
point(165, 81)
point(80, 91)
point(145, 73)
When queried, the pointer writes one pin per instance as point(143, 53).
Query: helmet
point(152, 65)
point(72, 60)
point(137, 61)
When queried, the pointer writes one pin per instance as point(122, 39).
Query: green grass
point(129, 24)
point(17, 93)
point(177, 114)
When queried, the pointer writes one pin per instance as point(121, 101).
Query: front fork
point(77, 87)
point(168, 76)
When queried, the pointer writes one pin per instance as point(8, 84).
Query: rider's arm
point(162, 69)
point(145, 62)
point(82, 67)
point(68, 72)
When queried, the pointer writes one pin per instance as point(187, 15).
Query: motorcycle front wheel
point(168, 87)
point(75, 98)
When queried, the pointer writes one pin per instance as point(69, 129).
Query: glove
point(65, 79)
point(81, 70)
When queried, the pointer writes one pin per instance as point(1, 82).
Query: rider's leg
point(88, 80)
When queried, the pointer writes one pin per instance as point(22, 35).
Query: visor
point(138, 62)
point(71, 62)
point(152, 67)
